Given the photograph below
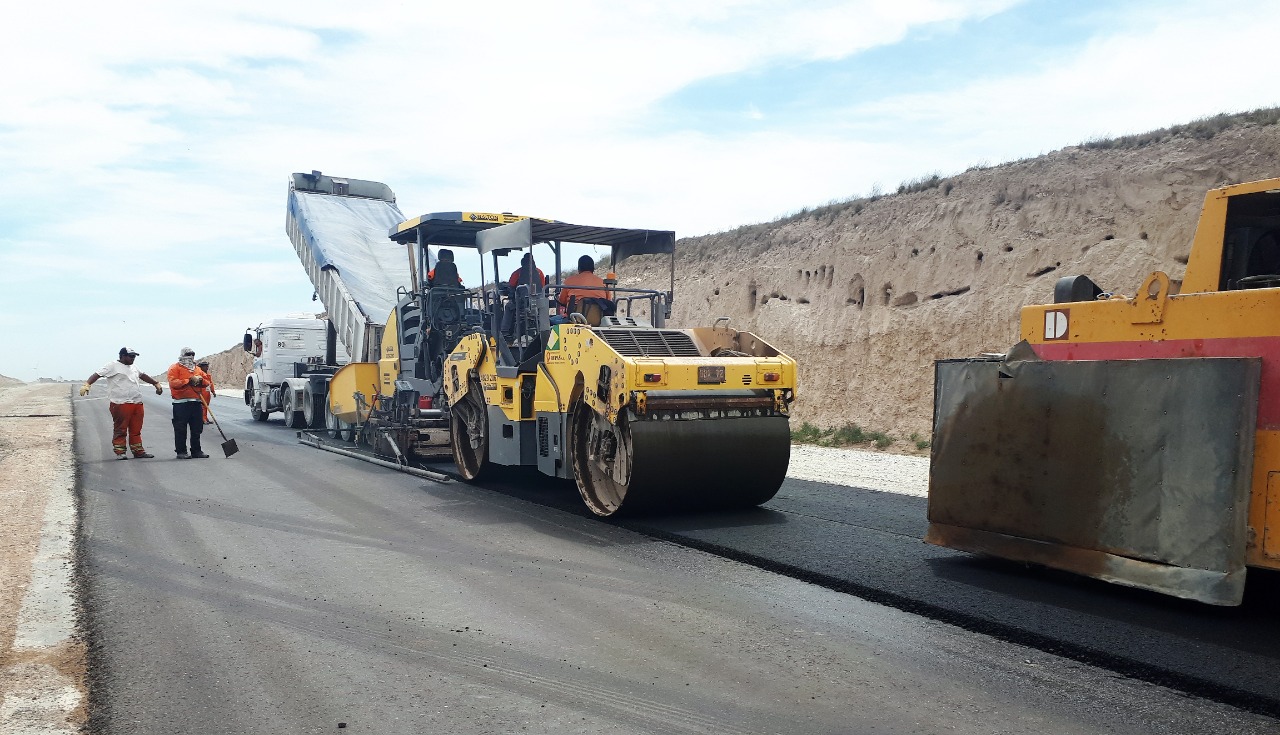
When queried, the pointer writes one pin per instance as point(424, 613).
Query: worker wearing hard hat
point(124, 400)
point(185, 382)
point(207, 392)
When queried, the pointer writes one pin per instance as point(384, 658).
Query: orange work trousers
point(126, 419)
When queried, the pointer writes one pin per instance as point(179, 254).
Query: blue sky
point(146, 154)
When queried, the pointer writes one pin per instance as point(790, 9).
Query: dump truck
point(642, 416)
point(1134, 439)
point(338, 228)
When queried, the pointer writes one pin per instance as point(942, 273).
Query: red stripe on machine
point(1268, 348)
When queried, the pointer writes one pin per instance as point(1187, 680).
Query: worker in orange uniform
point(528, 273)
point(208, 393)
point(124, 400)
point(584, 284)
point(184, 383)
point(447, 271)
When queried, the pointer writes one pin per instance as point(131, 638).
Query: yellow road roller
point(644, 417)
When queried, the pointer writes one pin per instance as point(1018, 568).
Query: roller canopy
point(507, 232)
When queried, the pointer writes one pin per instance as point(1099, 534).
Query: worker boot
point(183, 455)
point(144, 454)
point(199, 455)
point(122, 455)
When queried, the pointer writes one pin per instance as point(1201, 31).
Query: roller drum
point(663, 465)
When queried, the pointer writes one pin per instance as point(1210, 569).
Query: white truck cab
point(291, 370)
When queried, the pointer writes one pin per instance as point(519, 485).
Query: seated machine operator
point(523, 274)
point(584, 284)
point(446, 272)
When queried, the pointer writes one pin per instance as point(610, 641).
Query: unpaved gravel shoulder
point(42, 660)
point(889, 473)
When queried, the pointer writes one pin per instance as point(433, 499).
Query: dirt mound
point(6, 380)
point(867, 294)
point(229, 368)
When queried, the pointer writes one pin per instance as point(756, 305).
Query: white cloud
point(150, 150)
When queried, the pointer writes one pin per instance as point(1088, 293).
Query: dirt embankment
point(229, 368)
point(866, 295)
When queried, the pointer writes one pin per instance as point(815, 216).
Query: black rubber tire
point(314, 407)
point(258, 414)
point(293, 418)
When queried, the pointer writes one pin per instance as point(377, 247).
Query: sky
point(145, 154)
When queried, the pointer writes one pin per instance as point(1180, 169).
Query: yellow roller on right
point(1131, 438)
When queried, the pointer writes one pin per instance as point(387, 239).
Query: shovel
point(228, 445)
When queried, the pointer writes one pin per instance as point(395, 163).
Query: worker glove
point(213, 393)
point(84, 389)
point(159, 390)
point(195, 380)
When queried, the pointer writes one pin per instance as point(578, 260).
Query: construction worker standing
point(207, 392)
point(184, 382)
point(124, 399)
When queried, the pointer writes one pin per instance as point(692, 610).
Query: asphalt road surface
point(290, 590)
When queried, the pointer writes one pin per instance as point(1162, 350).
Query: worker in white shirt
point(124, 398)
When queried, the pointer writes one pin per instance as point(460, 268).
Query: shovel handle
point(210, 410)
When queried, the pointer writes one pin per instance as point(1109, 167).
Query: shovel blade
point(229, 447)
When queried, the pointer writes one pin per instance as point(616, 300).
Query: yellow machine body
point(1177, 371)
point(348, 386)
point(699, 416)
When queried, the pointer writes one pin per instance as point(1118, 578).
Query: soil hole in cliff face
point(802, 300)
point(1041, 271)
point(906, 299)
point(980, 256)
point(752, 297)
point(886, 294)
point(856, 292)
point(954, 292)
point(1008, 248)
point(716, 292)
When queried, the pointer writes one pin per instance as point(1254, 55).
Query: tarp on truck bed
point(1133, 471)
point(339, 228)
point(349, 234)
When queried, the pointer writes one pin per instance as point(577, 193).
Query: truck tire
point(333, 427)
point(313, 407)
point(293, 417)
point(258, 414)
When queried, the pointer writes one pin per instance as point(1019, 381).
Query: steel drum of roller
point(659, 463)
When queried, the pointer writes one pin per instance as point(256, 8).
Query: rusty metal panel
point(1133, 471)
